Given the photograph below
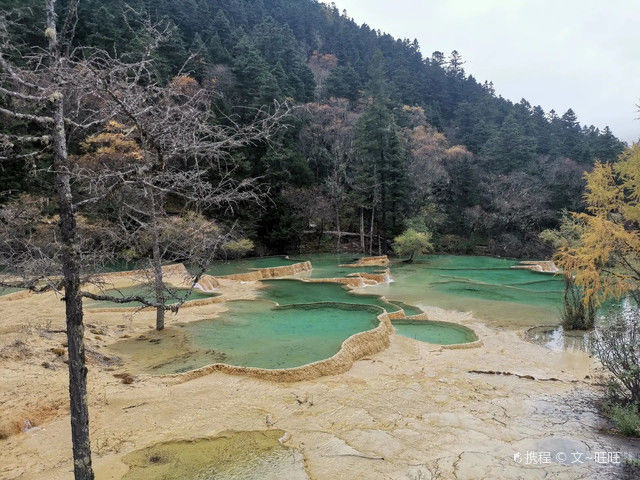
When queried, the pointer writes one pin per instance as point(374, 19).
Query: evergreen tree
point(509, 148)
point(344, 82)
point(378, 144)
point(257, 84)
point(217, 51)
point(221, 27)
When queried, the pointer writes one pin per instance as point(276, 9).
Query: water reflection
point(557, 338)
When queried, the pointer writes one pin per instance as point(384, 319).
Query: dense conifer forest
point(382, 136)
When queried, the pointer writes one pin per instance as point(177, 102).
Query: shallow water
point(230, 456)
point(329, 265)
point(7, 291)
point(440, 333)
point(247, 264)
point(317, 317)
point(289, 292)
point(558, 339)
point(142, 292)
point(254, 334)
point(486, 286)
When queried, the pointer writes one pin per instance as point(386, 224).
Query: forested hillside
point(382, 136)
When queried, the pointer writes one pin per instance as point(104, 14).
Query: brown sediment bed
point(379, 261)
point(208, 283)
point(399, 315)
point(378, 277)
point(21, 419)
point(353, 348)
point(542, 266)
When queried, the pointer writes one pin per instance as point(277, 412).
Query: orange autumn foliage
point(606, 260)
point(113, 147)
point(184, 85)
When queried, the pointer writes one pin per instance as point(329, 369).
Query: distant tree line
point(385, 136)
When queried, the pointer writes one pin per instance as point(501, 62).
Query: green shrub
point(626, 418)
point(575, 314)
point(412, 242)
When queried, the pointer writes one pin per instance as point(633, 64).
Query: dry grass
point(125, 378)
point(17, 350)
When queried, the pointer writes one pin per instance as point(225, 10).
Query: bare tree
point(328, 140)
point(174, 149)
point(39, 96)
point(617, 345)
point(63, 94)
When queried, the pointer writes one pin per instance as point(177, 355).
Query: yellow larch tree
point(606, 260)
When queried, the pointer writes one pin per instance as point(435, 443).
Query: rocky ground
point(412, 411)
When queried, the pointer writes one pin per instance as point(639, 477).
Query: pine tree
point(384, 162)
point(222, 28)
point(344, 82)
point(509, 148)
point(217, 51)
point(257, 83)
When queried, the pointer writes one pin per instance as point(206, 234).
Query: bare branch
point(27, 116)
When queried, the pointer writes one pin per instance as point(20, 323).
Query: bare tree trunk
point(71, 273)
point(383, 193)
point(373, 215)
point(338, 241)
point(362, 245)
point(159, 286)
point(379, 245)
point(321, 234)
point(73, 306)
point(156, 260)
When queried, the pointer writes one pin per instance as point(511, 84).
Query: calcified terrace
point(407, 410)
point(353, 348)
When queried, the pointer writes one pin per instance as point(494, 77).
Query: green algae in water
point(145, 292)
point(230, 456)
point(247, 264)
point(256, 334)
point(290, 292)
point(487, 286)
point(328, 265)
point(253, 333)
point(440, 333)
point(7, 291)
